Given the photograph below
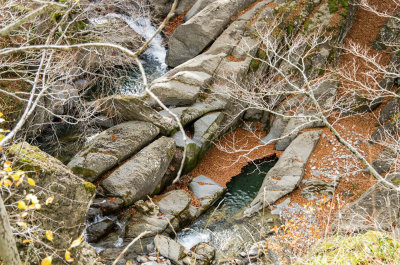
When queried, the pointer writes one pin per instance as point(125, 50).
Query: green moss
point(89, 187)
point(335, 5)
point(84, 172)
point(371, 248)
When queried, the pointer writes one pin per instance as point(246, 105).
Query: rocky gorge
point(123, 176)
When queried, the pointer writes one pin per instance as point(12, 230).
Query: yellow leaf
point(38, 206)
point(1, 114)
point(31, 182)
point(21, 205)
point(15, 177)
point(76, 242)
point(7, 183)
point(32, 198)
point(47, 261)
point(7, 164)
point(26, 241)
point(7, 169)
point(50, 200)
point(22, 224)
point(24, 214)
point(49, 235)
point(68, 256)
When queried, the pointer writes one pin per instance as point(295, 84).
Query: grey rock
point(287, 173)
point(388, 130)
point(140, 175)
point(142, 259)
point(294, 126)
point(98, 230)
point(72, 196)
point(378, 206)
point(170, 249)
point(108, 205)
point(206, 190)
point(153, 223)
point(206, 127)
point(131, 107)
point(316, 186)
point(384, 161)
point(190, 38)
point(175, 93)
point(278, 126)
point(111, 147)
point(203, 254)
point(196, 8)
point(388, 111)
point(174, 202)
point(198, 109)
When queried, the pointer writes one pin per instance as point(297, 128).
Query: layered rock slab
point(111, 147)
point(142, 174)
point(192, 37)
point(287, 173)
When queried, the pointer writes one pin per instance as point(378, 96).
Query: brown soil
point(231, 153)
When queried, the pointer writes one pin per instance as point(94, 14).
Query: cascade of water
point(153, 58)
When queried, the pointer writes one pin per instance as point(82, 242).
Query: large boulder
point(192, 37)
point(142, 174)
point(111, 147)
point(66, 215)
point(287, 173)
point(131, 107)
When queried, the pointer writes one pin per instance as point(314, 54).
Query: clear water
point(223, 225)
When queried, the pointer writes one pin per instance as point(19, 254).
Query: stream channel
point(223, 225)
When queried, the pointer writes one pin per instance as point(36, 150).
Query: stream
point(223, 226)
point(153, 59)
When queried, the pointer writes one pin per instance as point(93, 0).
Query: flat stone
point(174, 202)
point(206, 190)
point(175, 93)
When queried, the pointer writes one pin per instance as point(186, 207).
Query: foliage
point(371, 248)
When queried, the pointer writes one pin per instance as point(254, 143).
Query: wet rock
point(174, 202)
point(155, 224)
point(140, 175)
point(170, 249)
point(287, 173)
point(112, 147)
point(108, 205)
point(206, 190)
point(203, 254)
point(190, 38)
point(98, 230)
point(93, 213)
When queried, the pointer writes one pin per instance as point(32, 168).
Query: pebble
point(142, 259)
point(243, 254)
point(153, 258)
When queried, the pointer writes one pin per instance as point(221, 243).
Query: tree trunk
point(8, 248)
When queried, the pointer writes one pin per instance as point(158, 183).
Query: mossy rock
point(370, 248)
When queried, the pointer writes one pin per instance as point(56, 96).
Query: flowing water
point(153, 59)
point(222, 225)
